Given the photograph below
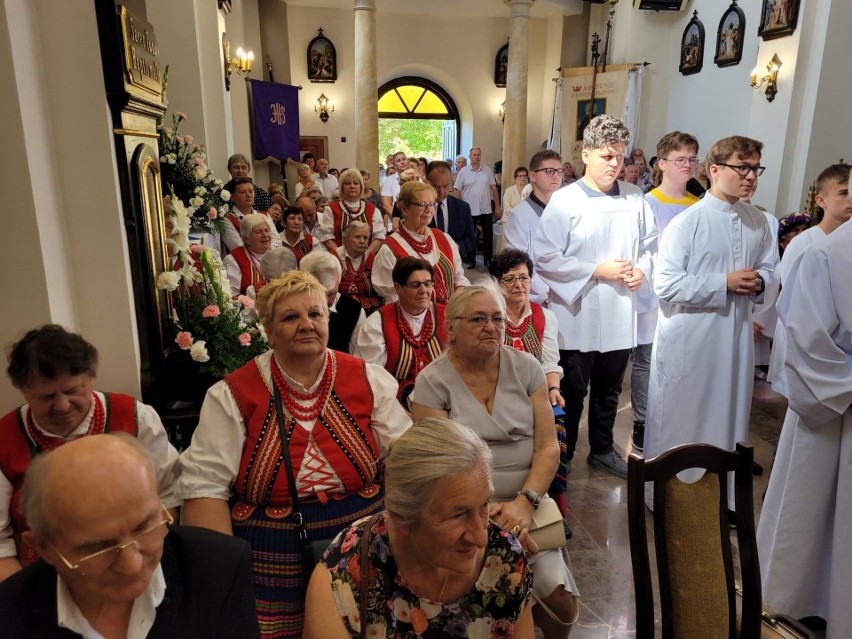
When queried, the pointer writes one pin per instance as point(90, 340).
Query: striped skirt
point(280, 581)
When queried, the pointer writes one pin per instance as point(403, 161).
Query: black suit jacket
point(459, 224)
point(208, 592)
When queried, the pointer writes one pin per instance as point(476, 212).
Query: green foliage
point(415, 138)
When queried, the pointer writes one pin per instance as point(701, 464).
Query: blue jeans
point(639, 381)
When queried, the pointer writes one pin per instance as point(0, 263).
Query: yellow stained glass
point(431, 104)
point(410, 95)
point(390, 103)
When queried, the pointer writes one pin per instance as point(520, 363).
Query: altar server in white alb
point(805, 537)
point(593, 249)
point(714, 261)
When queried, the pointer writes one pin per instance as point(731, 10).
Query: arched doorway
point(418, 117)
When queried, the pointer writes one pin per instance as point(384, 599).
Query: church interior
point(72, 252)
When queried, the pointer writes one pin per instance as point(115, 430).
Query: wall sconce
point(770, 79)
point(324, 107)
point(240, 64)
point(502, 111)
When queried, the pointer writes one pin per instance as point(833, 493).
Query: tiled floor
point(600, 551)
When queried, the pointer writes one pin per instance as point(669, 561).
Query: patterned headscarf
point(792, 222)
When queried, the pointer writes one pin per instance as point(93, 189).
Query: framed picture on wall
point(778, 18)
point(729, 37)
point(692, 46)
point(322, 59)
point(501, 66)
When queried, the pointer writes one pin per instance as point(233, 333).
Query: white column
point(515, 123)
point(366, 88)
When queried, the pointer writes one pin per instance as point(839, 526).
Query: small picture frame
point(501, 66)
point(778, 18)
point(692, 46)
point(322, 59)
point(729, 37)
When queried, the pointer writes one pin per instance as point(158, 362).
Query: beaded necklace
point(515, 333)
point(358, 274)
point(317, 397)
point(46, 442)
point(419, 340)
point(421, 247)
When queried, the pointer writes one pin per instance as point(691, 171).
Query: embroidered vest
point(343, 218)
point(404, 359)
point(528, 335)
point(357, 283)
point(444, 267)
point(342, 432)
point(302, 247)
point(19, 448)
point(251, 275)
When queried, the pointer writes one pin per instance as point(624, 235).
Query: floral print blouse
point(488, 611)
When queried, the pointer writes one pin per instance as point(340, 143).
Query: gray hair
point(357, 225)
point(238, 157)
point(605, 130)
point(325, 267)
point(252, 221)
point(276, 262)
point(458, 301)
point(434, 448)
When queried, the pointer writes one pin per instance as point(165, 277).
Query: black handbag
point(312, 550)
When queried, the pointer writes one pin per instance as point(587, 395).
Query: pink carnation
point(245, 339)
point(199, 161)
point(179, 138)
point(211, 311)
point(184, 340)
point(212, 214)
point(181, 116)
point(246, 301)
point(196, 248)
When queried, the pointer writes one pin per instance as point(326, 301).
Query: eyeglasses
point(744, 169)
point(479, 321)
point(682, 162)
point(549, 171)
point(107, 557)
point(508, 280)
point(422, 205)
point(414, 286)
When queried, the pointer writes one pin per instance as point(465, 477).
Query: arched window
point(419, 117)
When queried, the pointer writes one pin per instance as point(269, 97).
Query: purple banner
point(275, 116)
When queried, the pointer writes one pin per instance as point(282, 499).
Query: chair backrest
point(693, 544)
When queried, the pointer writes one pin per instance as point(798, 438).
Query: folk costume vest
point(22, 441)
point(444, 267)
point(528, 334)
point(302, 247)
point(356, 282)
point(341, 432)
point(250, 273)
point(408, 354)
point(344, 216)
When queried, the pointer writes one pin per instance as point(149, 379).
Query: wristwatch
point(533, 497)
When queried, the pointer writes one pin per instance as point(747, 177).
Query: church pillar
point(515, 122)
point(366, 88)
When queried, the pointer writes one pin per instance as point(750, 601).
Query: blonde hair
point(290, 283)
point(352, 175)
point(434, 448)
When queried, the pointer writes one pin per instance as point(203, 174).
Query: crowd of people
point(386, 456)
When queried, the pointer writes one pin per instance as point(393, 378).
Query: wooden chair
point(693, 544)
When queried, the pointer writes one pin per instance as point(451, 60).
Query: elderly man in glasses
point(111, 563)
point(714, 261)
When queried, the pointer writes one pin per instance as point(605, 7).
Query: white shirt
point(142, 616)
point(150, 434)
point(390, 187)
point(576, 233)
point(328, 184)
point(210, 465)
point(475, 188)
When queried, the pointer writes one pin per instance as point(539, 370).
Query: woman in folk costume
point(351, 208)
point(357, 264)
point(414, 237)
point(337, 414)
point(243, 263)
point(533, 329)
point(408, 334)
point(242, 204)
point(294, 236)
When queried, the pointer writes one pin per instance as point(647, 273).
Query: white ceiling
point(460, 8)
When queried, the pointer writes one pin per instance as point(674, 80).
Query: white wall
point(464, 66)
